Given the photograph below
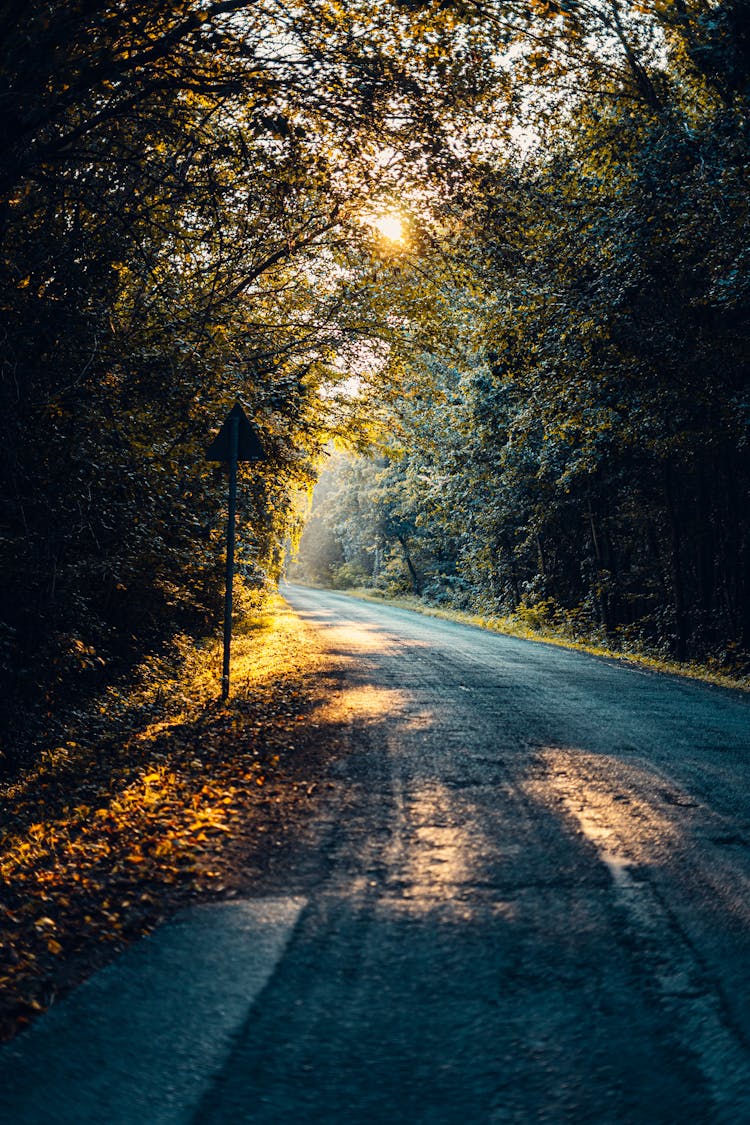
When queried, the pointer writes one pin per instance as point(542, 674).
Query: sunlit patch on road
point(440, 847)
point(370, 704)
point(632, 839)
point(609, 812)
point(359, 640)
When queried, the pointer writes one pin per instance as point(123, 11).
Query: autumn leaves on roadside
point(106, 840)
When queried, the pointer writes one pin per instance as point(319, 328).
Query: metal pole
point(233, 440)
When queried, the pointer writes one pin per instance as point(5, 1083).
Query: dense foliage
point(569, 423)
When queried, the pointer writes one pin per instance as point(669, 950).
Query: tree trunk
point(415, 583)
point(675, 561)
point(600, 596)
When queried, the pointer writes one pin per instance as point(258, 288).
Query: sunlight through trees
point(540, 342)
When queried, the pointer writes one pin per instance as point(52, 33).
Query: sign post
point(235, 441)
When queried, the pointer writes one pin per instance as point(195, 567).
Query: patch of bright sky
point(515, 134)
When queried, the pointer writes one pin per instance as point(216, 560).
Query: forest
point(485, 266)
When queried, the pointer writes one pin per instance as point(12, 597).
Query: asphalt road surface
point(526, 898)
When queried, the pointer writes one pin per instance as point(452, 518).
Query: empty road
point(525, 898)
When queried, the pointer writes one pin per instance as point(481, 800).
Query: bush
point(348, 575)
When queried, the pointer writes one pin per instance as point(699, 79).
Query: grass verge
point(516, 627)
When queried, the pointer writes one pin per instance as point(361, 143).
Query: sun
point(390, 226)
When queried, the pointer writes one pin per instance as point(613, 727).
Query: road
point(525, 898)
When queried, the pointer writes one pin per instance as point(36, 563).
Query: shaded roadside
point(100, 844)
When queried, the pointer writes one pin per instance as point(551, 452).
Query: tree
point(581, 405)
point(182, 185)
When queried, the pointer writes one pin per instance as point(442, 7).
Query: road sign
point(235, 441)
point(248, 442)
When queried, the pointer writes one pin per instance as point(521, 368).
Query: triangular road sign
point(248, 442)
